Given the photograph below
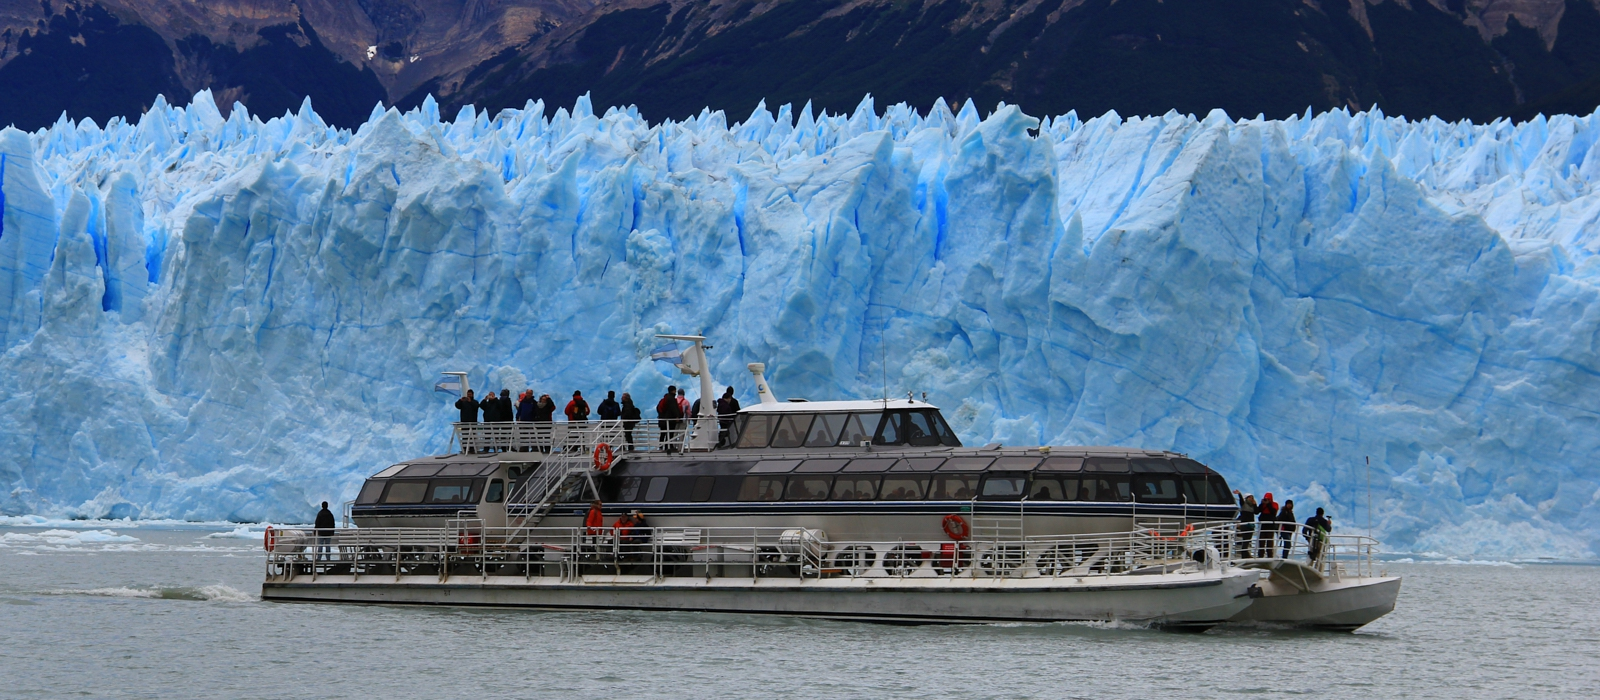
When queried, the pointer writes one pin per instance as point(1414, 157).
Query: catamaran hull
point(1339, 605)
point(1180, 600)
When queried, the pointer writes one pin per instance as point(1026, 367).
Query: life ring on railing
point(610, 456)
point(956, 527)
point(269, 539)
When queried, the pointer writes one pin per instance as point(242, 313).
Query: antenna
point(1368, 496)
point(883, 345)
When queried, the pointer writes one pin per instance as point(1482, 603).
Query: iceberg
point(224, 318)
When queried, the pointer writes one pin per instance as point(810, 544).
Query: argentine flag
point(669, 354)
point(450, 385)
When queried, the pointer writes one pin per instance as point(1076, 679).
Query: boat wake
point(214, 593)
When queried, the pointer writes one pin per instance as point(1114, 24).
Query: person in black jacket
point(545, 413)
point(1247, 521)
point(1286, 528)
point(1317, 528)
point(325, 524)
point(507, 409)
point(668, 416)
point(608, 409)
point(727, 410)
point(491, 408)
point(630, 417)
point(469, 408)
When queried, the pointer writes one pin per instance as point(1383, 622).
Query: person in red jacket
point(595, 521)
point(577, 408)
point(1267, 529)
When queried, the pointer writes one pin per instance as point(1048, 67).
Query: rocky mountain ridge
point(1477, 59)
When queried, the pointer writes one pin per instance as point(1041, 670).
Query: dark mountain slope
point(1477, 59)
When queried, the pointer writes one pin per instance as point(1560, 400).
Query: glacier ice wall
point(206, 317)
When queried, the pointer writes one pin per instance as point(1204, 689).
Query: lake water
point(149, 612)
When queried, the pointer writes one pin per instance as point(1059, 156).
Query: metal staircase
point(570, 460)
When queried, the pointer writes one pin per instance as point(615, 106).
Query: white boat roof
point(836, 406)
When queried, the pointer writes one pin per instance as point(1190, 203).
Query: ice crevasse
point(227, 318)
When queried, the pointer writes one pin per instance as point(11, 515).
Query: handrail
point(551, 436)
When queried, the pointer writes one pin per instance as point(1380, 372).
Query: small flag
point(667, 353)
point(449, 385)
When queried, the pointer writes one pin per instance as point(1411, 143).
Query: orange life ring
point(599, 465)
point(956, 527)
point(467, 542)
point(269, 539)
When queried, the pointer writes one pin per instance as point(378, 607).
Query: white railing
point(466, 547)
point(641, 436)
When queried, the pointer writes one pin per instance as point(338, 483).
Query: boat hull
point(1171, 600)
point(1345, 604)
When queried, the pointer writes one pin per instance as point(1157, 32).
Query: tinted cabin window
point(370, 491)
point(657, 489)
point(821, 466)
point(756, 430)
point(1104, 488)
point(808, 488)
point(919, 431)
point(825, 430)
point(869, 465)
point(1151, 466)
point(1069, 489)
point(1015, 464)
point(761, 488)
point(918, 464)
point(966, 464)
point(497, 491)
point(1003, 488)
point(1047, 489)
point(889, 430)
point(855, 488)
point(1188, 466)
point(1157, 489)
point(450, 491)
point(954, 487)
point(416, 470)
point(1062, 464)
point(1219, 490)
point(791, 430)
point(1105, 464)
point(858, 429)
point(947, 435)
point(904, 488)
point(406, 492)
point(630, 489)
point(702, 488)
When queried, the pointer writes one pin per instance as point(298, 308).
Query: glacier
point(224, 318)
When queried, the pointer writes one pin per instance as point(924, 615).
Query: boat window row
point(922, 428)
point(429, 491)
point(1160, 489)
point(1106, 465)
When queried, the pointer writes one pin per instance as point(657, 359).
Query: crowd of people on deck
point(673, 412)
point(1267, 529)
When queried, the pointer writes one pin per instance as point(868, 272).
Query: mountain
point(1456, 59)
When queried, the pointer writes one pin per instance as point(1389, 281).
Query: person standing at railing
point(667, 416)
point(544, 415)
point(324, 524)
point(1247, 521)
point(469, 408)
point(1317, 528)
point(686, 418)
point(577, 409)
point(490, 406)
point(1267, 526)
point(525, 406)
point(608, 408)
point(469, 414)
point(1286, 528)
point(630, 418)
point(727, 410)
